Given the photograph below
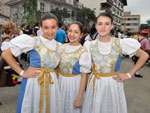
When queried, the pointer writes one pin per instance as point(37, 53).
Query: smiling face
point(74, 33)
point(104, 26)
point(49, 28)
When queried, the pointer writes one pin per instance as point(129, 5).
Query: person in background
point(105, 90)
point(23, 29)
point(84, 34)
point(60, 35)
point(29, 30)
point(137, 35)
point(35, 29)
point(39, 91)
point(92, 34)
point(65, 28)
point(145, 46)
point(73, 68)
point(5, 75)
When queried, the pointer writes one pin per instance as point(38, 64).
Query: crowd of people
point(73, 71)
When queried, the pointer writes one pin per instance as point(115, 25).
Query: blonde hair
point(7, 26)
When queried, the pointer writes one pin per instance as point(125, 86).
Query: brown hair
point(79, 24)
point(7, 26)
point(48, 16)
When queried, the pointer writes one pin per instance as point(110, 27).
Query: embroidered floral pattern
point(105, 63)
point(68, 60)
point(47, 56)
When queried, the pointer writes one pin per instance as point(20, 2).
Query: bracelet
point(129, 76)
point(21, 73)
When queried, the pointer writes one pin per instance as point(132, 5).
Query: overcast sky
point(141, 7)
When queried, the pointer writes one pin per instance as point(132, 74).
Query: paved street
point(137, 92)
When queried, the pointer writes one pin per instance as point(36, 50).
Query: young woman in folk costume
point(105, 90)
point(73, 68)
point(39, 91)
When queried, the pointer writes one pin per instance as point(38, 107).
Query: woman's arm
point(78, 102)
point(143, 56)
point(8, 57)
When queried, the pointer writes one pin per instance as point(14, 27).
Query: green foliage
point(85, 15)
point(61, 14)
point(30, 12)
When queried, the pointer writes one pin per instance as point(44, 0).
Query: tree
point(30, 12)
point(85, 15)
point(18, 16)
point(61, 14)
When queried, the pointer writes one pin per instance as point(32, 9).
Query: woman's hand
point(78, 103)
point(31, 72)
point(121, 77)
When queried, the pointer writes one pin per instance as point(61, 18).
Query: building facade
point(44, 6)
point(4, 9)
point(70, 5)
point(130, 23)
point(93, 5)
point(113, 7)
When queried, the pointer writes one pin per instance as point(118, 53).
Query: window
point(120, 14)
point(135, 19)
point(73, 13)
point(42, 5)
point(135, 24)
point(128, 24)
point(70, 2)
point(114, 9)
point(121, 6)
point(128, 29)
point(116, 20)
point(51, 7)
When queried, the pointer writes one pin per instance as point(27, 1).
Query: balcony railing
point(106, 10)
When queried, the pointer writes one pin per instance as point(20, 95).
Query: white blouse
point(25, 43)
point(128, 46)
point(5, 45)
point(84, 61)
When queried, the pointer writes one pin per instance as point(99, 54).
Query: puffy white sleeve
point(129, 46)
point(87, 46)
point(21, 44)
point(85, 63)
point(5, 45)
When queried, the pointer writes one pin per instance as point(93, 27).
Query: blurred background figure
point(29, 30)
point(35, 29)
point(92, 34)
point(145, 46)
point(137, 35)
point(5, 71)
point(85, 33)
point(23, 29)
point(65, 28)
point(60, 35)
